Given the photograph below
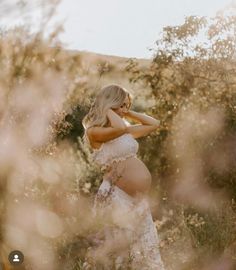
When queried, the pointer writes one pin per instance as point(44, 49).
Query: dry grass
point(48, 180)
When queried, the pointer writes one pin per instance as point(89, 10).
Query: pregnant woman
point(126, 180)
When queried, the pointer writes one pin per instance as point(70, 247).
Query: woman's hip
point(112, 194)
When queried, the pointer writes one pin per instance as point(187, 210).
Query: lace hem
point(108, 165)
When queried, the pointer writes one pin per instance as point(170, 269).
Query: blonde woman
point(126, 179)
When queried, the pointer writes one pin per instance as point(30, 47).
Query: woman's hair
point(111, 96)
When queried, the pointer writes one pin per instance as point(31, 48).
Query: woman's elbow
point(151, 128)
point(156, 124)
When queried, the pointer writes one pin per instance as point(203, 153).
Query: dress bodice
point(115, 150)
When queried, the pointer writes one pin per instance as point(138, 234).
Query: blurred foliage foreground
point(48, 181)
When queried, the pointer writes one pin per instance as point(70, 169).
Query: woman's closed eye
point(125, 105)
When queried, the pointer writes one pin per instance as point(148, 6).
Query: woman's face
point(124, 107)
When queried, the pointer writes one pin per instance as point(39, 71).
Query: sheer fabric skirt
point(129, 236)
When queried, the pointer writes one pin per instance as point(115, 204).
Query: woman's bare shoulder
point(89, 131)
point(91, 140)
point(105, 133)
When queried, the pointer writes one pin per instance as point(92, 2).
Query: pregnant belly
point(135, 176)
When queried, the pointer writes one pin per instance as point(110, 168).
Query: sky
point(127, 28)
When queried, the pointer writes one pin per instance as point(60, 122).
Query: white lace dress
point(130, 237)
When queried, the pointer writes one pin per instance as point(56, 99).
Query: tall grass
point(48, 180)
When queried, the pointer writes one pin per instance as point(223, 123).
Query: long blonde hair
point(111, 96)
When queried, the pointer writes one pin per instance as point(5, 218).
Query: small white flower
point(87, 185)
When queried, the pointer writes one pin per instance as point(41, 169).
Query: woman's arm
point(115, 119)
point(148, 124)
point(142, 118)
point(103, 134)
